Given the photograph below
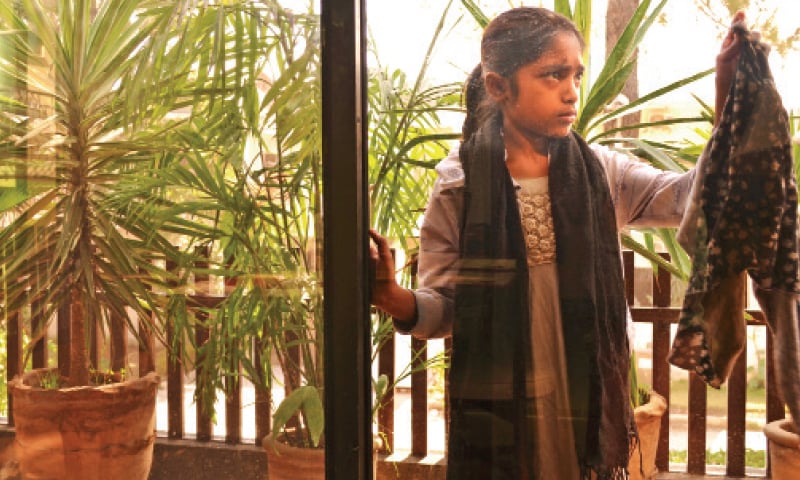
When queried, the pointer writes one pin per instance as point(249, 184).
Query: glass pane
point(176, 223)
point(421, 54)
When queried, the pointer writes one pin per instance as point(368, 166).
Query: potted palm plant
point(98, 98)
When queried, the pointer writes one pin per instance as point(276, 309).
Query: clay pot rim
point(19, 383)
point(653, 408)
point(782, 432)
point(272, 445)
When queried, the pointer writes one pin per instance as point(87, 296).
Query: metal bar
point(348, 422)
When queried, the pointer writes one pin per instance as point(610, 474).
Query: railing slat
point(737, 416)
point(419, 401)
point(203, 416)
point(119, 342)
point(201, 336)
point(662, 286)
point(386, 366)
point(662, 298)
point(147, 362)
point(174, 382)
point(233, 410)
point(263, 401)
point(775, 406)
point(13, 357)
point(661, 385)
point(696, 462)
point(38, 324)
point(63, 335)
point(233, 394)
point(628, 272)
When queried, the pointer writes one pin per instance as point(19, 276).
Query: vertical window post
point(348, 428)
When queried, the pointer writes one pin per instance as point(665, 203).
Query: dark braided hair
point(472, 96)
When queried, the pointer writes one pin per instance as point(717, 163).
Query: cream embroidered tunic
point(642, 196)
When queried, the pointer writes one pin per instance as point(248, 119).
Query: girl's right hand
point(386, 293)
point(382, 280)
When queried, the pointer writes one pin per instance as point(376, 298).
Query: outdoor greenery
point(181, 140)
point(752, 458)
point(147, 144)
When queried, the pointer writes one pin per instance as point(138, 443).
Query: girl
point(519, 261)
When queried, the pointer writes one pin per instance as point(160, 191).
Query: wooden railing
point(660, 315)
point(118, 339)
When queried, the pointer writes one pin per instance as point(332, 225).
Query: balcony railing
point(424, 450)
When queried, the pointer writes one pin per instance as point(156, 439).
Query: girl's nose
point(571, 92)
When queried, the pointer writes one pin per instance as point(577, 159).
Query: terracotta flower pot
point(285, 462)
point(86, 433)
point(784, 449)
point(648, 422)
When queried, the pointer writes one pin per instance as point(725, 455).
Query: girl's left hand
point(727, 60)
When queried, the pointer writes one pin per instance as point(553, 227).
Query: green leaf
point(650, 96)
point(648, 253)
point(476, 12)
point(618, 65)
point(303, 399)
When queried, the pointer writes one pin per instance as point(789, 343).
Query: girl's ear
point(496, 86)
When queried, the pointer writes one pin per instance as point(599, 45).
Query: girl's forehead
point(564, 48)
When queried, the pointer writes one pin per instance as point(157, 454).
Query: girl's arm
point(643, 195)
point(428, 311)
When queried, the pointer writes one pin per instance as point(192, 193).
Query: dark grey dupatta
point(491, 332)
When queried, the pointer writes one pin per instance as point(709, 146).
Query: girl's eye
point(557, 75)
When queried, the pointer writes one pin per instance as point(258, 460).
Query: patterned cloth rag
point(742, 217)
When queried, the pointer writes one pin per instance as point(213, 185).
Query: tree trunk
point(79, 365)
point(618, 14)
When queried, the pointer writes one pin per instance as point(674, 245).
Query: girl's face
point(542, 106)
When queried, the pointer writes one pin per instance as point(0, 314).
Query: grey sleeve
point(438, 257)
point(644, 196)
